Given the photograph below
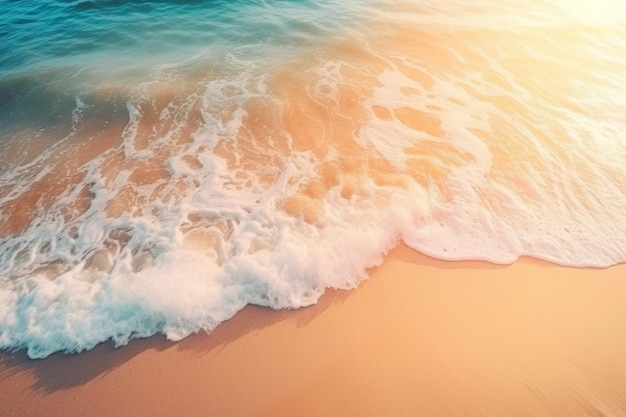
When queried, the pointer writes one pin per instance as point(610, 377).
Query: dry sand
point(422, 337)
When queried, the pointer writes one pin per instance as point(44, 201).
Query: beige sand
point(421, 338)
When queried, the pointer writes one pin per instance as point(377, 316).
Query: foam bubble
point(195, 192)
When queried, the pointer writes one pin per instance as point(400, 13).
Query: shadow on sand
point(61, 371)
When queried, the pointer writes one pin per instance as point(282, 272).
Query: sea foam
point(171, 195)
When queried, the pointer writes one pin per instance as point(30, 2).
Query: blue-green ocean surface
point(165, 163)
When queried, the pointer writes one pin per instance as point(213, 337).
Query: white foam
point(213, 238)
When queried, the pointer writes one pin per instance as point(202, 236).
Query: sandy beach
point(170, 166)
point(422, 337)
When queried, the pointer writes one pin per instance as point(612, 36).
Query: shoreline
point(421, 337)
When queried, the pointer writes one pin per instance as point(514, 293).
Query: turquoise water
point(49, 34)
point(54, 50)
point(165, 163)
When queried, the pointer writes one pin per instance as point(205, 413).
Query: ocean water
point(165, 163)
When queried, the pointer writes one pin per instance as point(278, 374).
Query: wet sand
point(422, 337)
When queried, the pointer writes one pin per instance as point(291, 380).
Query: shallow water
point(165, 163)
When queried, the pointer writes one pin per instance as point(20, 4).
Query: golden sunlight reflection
point(513, 109)
point(597, 12)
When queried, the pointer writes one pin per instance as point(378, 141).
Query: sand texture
point(422, 337)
